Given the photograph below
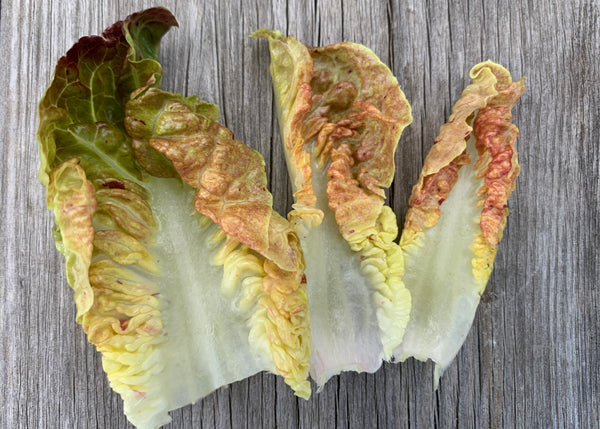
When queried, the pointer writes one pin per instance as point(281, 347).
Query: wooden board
point(532, 358)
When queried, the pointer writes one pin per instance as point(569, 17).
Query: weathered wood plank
point(532, 358)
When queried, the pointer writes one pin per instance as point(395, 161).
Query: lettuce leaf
point(179, 303)
point(341, 113)
point(458, 211)
point(230, 183)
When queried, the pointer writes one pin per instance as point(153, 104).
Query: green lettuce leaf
point(179, 303)
point(341, 113)
point(458, 210)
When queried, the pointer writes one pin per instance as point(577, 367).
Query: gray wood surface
point(532, 358)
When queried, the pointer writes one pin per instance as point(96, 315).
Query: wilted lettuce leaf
point(230, 183)
point(457, 213)
point(178, 303)
point(341, 113)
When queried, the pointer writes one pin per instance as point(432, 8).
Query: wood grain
point(532, 358)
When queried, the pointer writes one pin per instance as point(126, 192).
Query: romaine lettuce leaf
point(458, 210)
point(230, 183)
point(177, 302)
point(341, 113)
